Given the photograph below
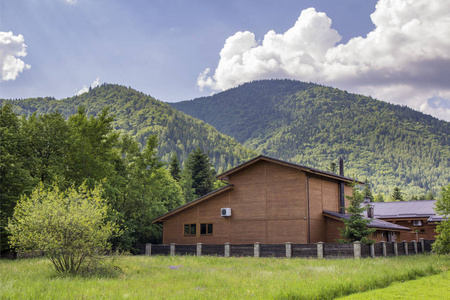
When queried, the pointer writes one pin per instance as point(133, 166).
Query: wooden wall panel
point(333, 232)
point(251, 175)
point(282, 231)
point(171, 233)
point(347, 192)
point(248, 201)
point(318, 231)
point(251, 231)
point(210, 210)
point(315, 198)
point(330, 190)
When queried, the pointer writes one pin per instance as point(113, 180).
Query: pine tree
point(355, 228)
point(175, 169)
point(333, 167)
point(397, 194)
point(201, 172)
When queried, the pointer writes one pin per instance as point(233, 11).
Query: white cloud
point(12, 47)
point(405, 59)
point(85, 89)
point(71, 2)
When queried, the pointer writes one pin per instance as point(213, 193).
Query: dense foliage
point(70, 227)
point(309, 124)
point(141, 116)
point(200, 170)
point(51, 150)
point(442, 243)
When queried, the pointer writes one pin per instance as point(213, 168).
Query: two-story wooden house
point(267, 201)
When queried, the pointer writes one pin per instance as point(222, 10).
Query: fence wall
point(288, 250)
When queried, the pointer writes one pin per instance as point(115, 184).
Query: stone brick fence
point(288, 250)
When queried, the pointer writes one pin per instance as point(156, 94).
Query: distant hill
point(141, 115)
point(310, 124)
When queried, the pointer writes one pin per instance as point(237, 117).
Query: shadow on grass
point(95, 268)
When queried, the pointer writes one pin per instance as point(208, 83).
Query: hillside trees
point(87, 150)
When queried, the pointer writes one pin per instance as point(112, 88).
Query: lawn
point(188, 277)
point(431, 287)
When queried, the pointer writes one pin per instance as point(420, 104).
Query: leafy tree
point(397, 194)
point(175, 169)
point(15, 178)
point(430, 196)
point(379, 198)
point(69, 227)
point(442, 243)
point(201, 172)
point(355, 228)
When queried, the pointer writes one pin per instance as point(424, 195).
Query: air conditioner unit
point(417, 223)
point(225, 212)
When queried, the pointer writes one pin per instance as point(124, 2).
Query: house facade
point(267, 201)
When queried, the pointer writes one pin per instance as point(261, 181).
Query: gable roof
point(192, 203)
point(374, 223)
point(225, 175)
point(405, 210)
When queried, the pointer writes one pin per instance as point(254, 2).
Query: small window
point(206, 229)
point(190, 229)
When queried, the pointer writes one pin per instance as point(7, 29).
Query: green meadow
point(189, 277)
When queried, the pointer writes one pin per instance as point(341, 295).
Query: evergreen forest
point(313, 125)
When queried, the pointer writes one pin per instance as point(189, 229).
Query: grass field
point(190, 277)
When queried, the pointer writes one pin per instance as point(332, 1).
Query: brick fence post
point(357, 249)
point(422, 245)
point(148, 249)
point(372, 250)
point(383, 247)
point(199, 249)
point(395, 248)
point(405, 247)
point(256, 249)
point(288, 250)
point(172, 249)
point(227, 249)
point(320, 250)
point(415, 246)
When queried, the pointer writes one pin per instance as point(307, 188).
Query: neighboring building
point(268, 201)
point(419, 216)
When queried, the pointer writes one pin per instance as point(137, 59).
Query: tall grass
point(190, 277)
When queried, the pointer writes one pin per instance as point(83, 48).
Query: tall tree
point(15, 178)
point(201, 171)
point(333, 167)
point(355, 228)
point(442, 243)
point(175, 169)
point(397, 194)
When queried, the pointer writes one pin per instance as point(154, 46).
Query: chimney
point(371, 211)
point(341, 186)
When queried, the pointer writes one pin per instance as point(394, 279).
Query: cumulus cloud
point(405, 59)
point(71, 2)
point(11, 48)
point(85, 89)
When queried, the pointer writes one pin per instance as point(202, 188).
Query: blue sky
point(397, 51)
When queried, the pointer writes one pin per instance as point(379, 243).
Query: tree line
point(48, 151)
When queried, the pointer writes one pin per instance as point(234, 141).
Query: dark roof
point(232, 171)
point(374, 223)
point(404, 209)
point(192, 203)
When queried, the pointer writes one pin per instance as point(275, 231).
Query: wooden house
point(267, 201)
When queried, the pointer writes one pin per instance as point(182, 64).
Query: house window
point(190, 229)
point(206, 229)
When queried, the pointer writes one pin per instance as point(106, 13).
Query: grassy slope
point(313, 125)
point(216, 278)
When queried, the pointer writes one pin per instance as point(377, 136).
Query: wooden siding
point(269, 204)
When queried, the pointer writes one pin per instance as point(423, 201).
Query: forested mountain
point(141, 115)
point(314, 125)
